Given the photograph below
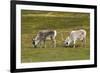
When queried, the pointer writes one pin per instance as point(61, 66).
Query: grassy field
point(33, 21)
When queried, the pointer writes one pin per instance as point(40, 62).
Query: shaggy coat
point(42, 36)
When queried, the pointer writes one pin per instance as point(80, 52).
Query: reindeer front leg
point(40, 44)
point(43, 44)
point(74, 43)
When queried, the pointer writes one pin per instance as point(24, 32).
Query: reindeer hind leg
point(53, 41)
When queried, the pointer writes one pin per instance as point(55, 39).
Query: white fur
point(74, 36)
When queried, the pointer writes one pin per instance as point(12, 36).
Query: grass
point(54, 54)
point(33, 21)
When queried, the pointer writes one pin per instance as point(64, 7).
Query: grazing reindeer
point(42, 36)
point(74, 36)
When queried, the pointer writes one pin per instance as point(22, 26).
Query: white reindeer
point(42, 37)
point(74, 36)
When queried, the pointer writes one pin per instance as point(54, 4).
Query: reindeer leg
point(40, 44)
point(44, 45)
point(84, 42)
point(54, 42)
point(74, 43)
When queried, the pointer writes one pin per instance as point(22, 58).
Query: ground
point(63, 22)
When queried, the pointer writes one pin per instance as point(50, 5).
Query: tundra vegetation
point(63, 22)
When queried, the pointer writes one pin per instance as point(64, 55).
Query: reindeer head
point(67, 42)
point(34, 43)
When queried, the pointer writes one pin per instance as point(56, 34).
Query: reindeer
point(74, 36)
point(42, 36)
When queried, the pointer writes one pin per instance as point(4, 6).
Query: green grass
point(54, 54)
point(33, 21)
